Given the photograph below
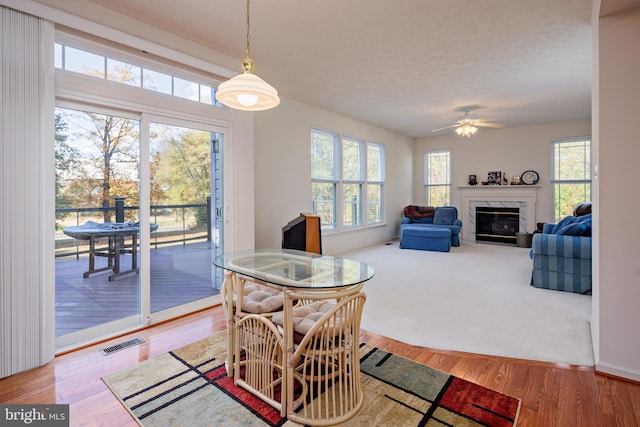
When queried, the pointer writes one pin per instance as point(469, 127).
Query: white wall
point(618, 285)
point(283, 173)
point(510, 150)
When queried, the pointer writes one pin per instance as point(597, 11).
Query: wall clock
point(530, 177)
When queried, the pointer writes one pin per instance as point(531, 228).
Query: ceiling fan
point(468, 126)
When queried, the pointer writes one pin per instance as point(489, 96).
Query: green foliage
point(181, 168)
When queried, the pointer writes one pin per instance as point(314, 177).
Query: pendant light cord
point(248, 28)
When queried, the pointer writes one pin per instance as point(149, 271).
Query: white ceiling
point(403, 65)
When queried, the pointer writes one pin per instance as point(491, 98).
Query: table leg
point(226, 291)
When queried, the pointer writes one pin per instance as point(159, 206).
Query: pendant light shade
point(247, 91)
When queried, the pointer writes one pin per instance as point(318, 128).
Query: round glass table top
point(296, 269)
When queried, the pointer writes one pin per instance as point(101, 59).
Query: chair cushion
point(261, 299)
point(426, 231)
point(445, 215)
point(305, 316)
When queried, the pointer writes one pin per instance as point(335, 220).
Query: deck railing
point(177, 223)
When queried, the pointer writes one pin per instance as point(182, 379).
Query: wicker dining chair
point(324, 355)
point(256, 298)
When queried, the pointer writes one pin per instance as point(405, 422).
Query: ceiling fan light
point(466, 130)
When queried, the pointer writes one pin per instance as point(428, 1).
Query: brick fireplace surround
point(507, 196)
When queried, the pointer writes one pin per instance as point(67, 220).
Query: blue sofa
point(429, 228)
point(562, 255)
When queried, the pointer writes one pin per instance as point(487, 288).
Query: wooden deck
point(179, 274)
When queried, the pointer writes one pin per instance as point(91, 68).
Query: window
point(571, 174)
point(375, 181)
point(81, 61)
point(324, 176)
point(347, 175)
point(437, 177)
point(352, 181)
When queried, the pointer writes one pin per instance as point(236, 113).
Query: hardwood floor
point(552, 394)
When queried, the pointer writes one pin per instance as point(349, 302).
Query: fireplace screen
point(497, 224)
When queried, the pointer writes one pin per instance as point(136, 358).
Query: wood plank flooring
point(552, 394)
point(179, 274)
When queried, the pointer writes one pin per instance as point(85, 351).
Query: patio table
point(115, 233)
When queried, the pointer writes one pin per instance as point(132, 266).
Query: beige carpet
point(476, 298)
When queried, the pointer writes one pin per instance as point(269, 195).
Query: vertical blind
point(27, 192)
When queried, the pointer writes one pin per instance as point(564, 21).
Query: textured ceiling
point(403, 65)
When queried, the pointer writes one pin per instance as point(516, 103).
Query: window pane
point(438, 168)
point(323, 155)
point(157, 82)
point(83, 62)
point(351, 160)
point(351, 199)
point(374, 202)
point(375, 171)
point(185, 89)
point(571, 175)
point(124, 73)
point(437, 178)
point(58, 55)
point(96, 160)
point(324, 203)
point(438, 195)
point(567, 196)
point(207, 94)
point(572, 160)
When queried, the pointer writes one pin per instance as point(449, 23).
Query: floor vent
point(121, 346)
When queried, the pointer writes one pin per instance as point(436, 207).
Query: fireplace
point(497, 224)
point(521, 197)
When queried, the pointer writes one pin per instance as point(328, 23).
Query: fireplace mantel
point(522, 196)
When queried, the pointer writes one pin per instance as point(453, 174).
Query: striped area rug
point(189, 387)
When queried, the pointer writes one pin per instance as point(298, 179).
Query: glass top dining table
point(289, 268)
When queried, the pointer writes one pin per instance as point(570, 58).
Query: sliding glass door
point(138, 219)
point(97, 187)
point(183, 208)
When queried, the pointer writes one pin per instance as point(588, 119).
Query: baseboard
point(618, 371)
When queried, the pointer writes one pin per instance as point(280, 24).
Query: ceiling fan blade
point(446, 127)
point(490, 125)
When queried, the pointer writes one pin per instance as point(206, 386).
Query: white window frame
point(357, 181)
point(339, 181)
point(377, 182)
point(556, 169)
point(334, 180)
point(428, 184)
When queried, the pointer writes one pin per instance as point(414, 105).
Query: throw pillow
point(445, 215)
point(582, 209)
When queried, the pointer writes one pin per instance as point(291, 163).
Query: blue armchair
point(562, 256)
point(429, 220)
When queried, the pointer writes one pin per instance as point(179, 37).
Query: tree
point(102, 162)
point(181, 167)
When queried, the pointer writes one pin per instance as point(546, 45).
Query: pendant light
point(247, 91)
